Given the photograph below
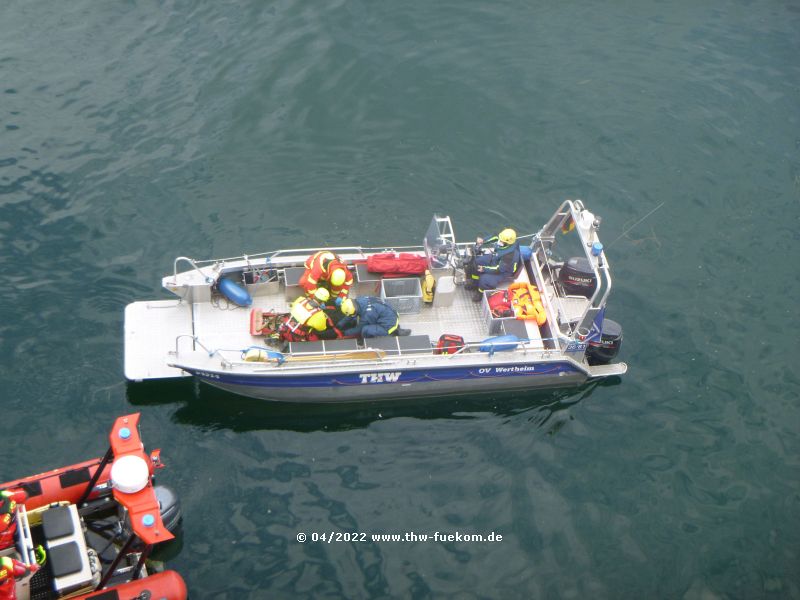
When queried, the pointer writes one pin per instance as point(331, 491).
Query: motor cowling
point(170, 505)
point(169, 508)
point(577, 277)
point(604, 350)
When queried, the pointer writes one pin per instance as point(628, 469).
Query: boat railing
point(305, 360)
point(194, 264)
point(523, 346)
point(299, 252)
point(551, 277)
point(196, 342)
point(24, 537)
point(593, 250)
point(230, 357)
point(360, 357)
point(281, 259)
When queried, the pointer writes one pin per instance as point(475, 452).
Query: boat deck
point(218, 322)
point(152, 328)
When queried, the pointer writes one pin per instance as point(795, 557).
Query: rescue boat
point(97, 522)
point(219, 327)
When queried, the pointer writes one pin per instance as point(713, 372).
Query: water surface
point(133, 133)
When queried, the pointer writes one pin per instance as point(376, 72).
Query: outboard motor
point(577, 277)
point(171, 513)
point(604, 350)
point(170, 508)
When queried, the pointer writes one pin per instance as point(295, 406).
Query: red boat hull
point(66, 483)
point(167, 584)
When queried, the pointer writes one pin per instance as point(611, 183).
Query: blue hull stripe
point(386, 376)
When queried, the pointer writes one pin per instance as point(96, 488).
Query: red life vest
point(499, 304)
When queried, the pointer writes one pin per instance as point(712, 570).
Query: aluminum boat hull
point(401, 383)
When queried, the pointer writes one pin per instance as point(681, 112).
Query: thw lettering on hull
point(380, 377)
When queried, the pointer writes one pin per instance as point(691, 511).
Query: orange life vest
point(319, 267)
point(527, 302)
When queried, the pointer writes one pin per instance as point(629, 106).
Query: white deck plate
point(608, 370)
point(150, 331)
point(224, 326)
point(462, 318)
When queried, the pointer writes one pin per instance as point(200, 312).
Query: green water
point(132, 133)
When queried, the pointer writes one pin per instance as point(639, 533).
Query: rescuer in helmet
point(325, 269)
point(10, 569)
point(368, 316)
point(310, 316)
point(495, 262)
point(8, 515)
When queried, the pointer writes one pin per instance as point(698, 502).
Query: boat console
point(67, 552)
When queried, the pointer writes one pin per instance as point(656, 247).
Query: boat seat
point(414, 343)
point(305, 347)
point(66, 549)
point(57, 523)
point(322, 346)
point(65, 559)
point(345, 345)
point(394, 345)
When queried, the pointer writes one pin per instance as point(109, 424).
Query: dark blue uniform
point(499, 266)
point(373, 318)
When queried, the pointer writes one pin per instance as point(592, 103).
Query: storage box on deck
point(292, 281)
point(494, 325)
point(404, 294)
point(366, 284)
point(524, 329)
point(262, 283)
point(514, 327)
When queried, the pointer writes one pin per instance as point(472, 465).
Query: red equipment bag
point(403, 263)
point(499, 304)
point(449, 344)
